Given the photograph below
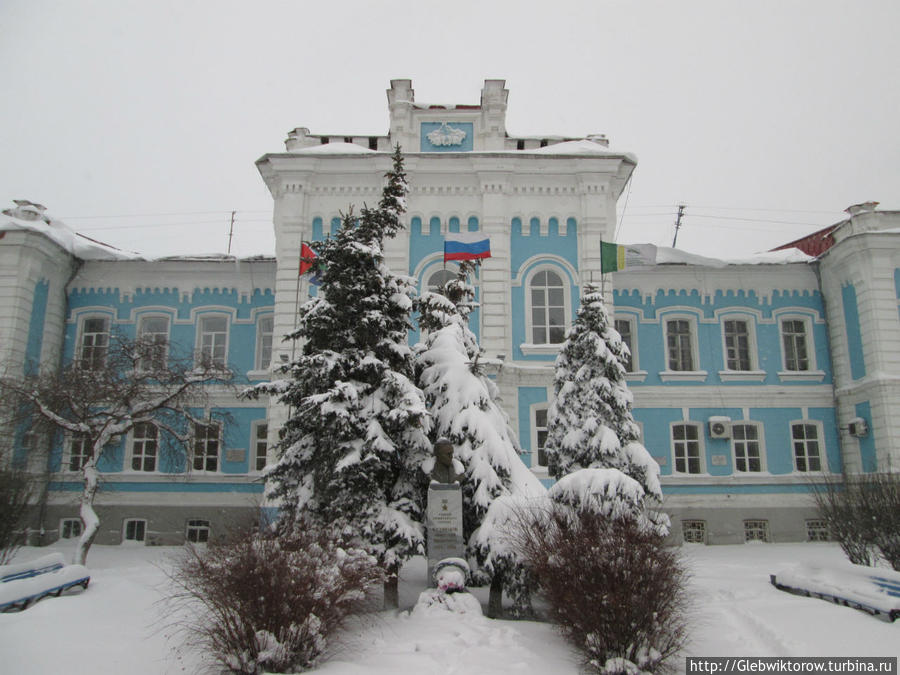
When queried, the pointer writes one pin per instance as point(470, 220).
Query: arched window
point(437, 279)
point(548, 308)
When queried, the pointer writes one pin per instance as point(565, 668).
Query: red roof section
point(814, 244)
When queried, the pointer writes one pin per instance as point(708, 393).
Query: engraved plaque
point(444, 522)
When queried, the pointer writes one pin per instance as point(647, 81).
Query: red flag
point(307, 256)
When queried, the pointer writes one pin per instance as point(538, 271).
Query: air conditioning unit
point(720, 427)
point(858, 427)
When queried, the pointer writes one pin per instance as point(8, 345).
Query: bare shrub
point(270, 603)
point(616, 593)
point(863, 515)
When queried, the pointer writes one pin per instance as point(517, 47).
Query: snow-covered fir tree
point(351, 451)
point(464, 406)
point(590, 424)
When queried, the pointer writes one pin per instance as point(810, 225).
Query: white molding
point(742, 375)
point(801, 375)
point(683, 375)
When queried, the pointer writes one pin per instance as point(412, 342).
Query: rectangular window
point(153, 333)
point(144, 447)
point(686, 445)
point(817, 530)
point(135, 530)
point(94, 342)
point(756, 530)
point(197, 531)
point(694, 531)
point(79, 452)
point(264, 330)
point(206, 447)
point(261, 448)
point(623, 328)
point(805, 438)
point(680, 344)
point(213, 340)
point(540, 430)
point(70, 528)
point(747, 455)
point(793, 338)
point(737, 345)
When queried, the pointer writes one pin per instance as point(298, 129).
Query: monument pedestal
point(443, 518)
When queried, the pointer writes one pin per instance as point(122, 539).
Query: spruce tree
point(351, 451)
point(590, 424)
point(464, 406)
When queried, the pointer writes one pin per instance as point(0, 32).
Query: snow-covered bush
point(615, 591)
point(265, 603)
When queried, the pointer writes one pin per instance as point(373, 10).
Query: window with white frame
point(260, 446)
point(547, 295)
point(694, 531)
point(144, 446)
point(686, 447)
point(153, 332)
point(539, 436)
point(212, 341)
point(79, 451)
point(756, 530)
point(807, 450)
point(738, 344)
point(625, 328)
point(795, 344)
point(70, 528)
point(134, 530)
point(264, 329)
point(817, 530)
point(94, 342)
point(197, 531)
point(747, 451)
point(680, 344)
point(206, 447)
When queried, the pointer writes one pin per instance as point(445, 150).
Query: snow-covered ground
point(121, 624)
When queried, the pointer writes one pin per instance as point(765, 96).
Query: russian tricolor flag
point(466, 246)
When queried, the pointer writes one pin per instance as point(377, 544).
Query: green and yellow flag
point(617, 257)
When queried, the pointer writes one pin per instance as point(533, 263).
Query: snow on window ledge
point(742, 375)
point(683, 375)
point(545, 349)
point(259, 375)
point(540, 471)
point(801, 375)
point(636, 376)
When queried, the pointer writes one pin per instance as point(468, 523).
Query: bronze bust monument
point(444, 471)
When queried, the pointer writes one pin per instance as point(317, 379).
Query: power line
point(156, 215)
point(733, 208)
point(755, 220)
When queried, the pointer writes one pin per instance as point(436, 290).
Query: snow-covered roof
point(676, 256)
point(32, 217)
point(332, 149)
point(581, 147)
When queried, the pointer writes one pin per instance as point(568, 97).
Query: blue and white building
point(751, 379)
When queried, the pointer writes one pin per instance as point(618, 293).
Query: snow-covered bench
point(23, 584)
point(874, 591)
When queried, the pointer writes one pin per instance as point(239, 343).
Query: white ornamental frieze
point(446, 135)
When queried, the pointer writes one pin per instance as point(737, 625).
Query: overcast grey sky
point(138, 123)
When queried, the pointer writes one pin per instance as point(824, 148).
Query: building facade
point(751, 380)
